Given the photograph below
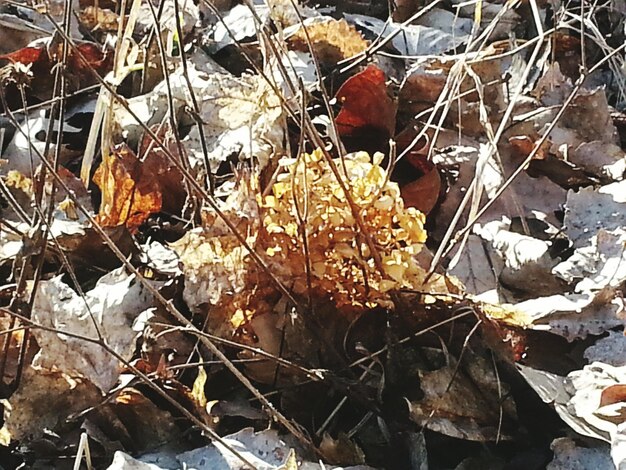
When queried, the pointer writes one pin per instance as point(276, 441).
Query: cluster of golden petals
point(309, 224)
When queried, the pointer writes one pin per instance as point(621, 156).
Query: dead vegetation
point(270, 234)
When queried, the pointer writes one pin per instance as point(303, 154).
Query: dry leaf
point(332, 41)
point(113, 304)
point(368, 114)
point(44, 400)
point(130, 189)
point(464, 403)
point(42, 60)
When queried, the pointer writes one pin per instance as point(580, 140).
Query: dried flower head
point(306, 232)
point(307, 200)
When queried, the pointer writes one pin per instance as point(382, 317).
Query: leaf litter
point(401, 231)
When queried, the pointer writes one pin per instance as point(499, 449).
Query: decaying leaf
point(108, 310)
point(130, 189)
point(332, 41)
point(465, 403)
point(37, 135)
point(413, 40)
point(239, 24)
point(45, 399)
point(244, 117)
point(99, 20)
point(341, 451)
point(609, 350)
point(311, 263)
point(142, 422)
point(265, 449)
point(568, 455)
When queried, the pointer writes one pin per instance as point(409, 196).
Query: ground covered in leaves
point(281, 235)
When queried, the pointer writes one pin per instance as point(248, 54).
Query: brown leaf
point(331, 41)
point(613, 394)
point(130, 190)
point(169, 177)
point(99, 20)
point(423, 193)
point(44, 400)
point(341, 451)
point(464, 402)
point(139, 419)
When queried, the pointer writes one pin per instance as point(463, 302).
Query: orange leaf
point(26, 55)
point(130, 190)
point(169, 177)
point(613, 394)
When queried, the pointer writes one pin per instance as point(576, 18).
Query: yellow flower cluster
point(308, 200)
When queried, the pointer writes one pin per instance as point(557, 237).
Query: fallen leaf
point(42, 60)
point(613, 394)
point(130, 190)
point(332, 41)
point(368, 114)
point(264, 449)
point(44, 400)
point(569, 455)
point(418, 177)
point(109, 308)
point(341, 451)
point(464, 403)
point(197, 392)
point(413, 40)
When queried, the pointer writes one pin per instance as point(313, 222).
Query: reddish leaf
point(368, 112)
point(419, 179)
point(94, 57)
point(423, 193)
point(26, 55)
point(86, 54)
point(42, 61)
point(169, 177)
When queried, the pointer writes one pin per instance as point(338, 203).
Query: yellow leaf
point(197, 392)
point(5, 437)
point(291, 463)
point(478, 13)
